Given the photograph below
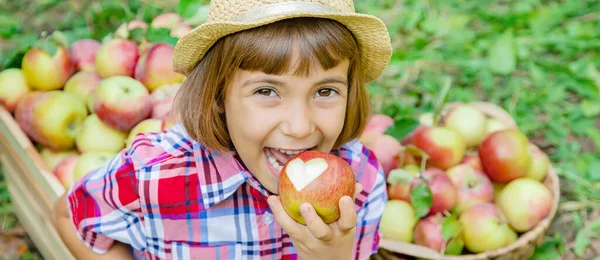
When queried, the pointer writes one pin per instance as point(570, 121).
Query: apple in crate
point(13, 87)
point(170, 120)
point(376, 126)
point(51, 118)
point(90, 161)
point(83, 54)
point(486, 228)
point(147, 126)
point(82, 84)
point(398, 221)
point(468, 121)
point(473, 161)
point(474, 187)
point(46, 71)
point(446, 147)
point(505, 155)
point(52, 158)
point(525, 202)
point(117, 57)
point(121, 102)
point(318, 178)
point(96, 136)
point(65, 170)
point(155, 69)
point(387, 149)
point(162, 100)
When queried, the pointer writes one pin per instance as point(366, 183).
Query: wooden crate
point(32, 187)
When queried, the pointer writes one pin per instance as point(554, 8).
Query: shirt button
point(267, 218)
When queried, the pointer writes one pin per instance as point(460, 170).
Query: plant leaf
point(399, 176)
point(421, 199)
point(501, 57)
point(582, 239)
point(402, 127)
point(451, 227)
point(455, 246)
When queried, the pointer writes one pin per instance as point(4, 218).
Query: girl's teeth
point(274, 161)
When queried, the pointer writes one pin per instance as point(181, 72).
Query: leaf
point(402, 127)
point(451, 227)
point(590, 108)
point(399, 176)
point(547, 251)
point(188, 8)
point(155, 35)
point(582, 239)
point(455, 246)
point(421, 199)
point(501, 57)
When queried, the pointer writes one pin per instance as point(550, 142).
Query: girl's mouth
point(278, 157)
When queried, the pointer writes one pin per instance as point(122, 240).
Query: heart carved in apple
point(318, 178)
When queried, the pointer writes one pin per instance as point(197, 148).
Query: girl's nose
point(298, 122)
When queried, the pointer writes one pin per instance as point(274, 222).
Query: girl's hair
point(268, 49)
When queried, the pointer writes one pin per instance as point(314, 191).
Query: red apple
point(13, 87)
point(65, 170)
point(399, 187)
point(181, 30)
point(398, 221)
point(474, 187)
point(51, 118)
point(505, 155)
point(121, 102)
point(117, 57)
point(485, 228)
point(445, 146)
point(318, 178)
point(170, 120)
point(387, 149)
point(473, 161)
point(525, 202)
point(162, 100)
point(51, 158)
point(376, 126)
point(538, 169)
point(154, 68)
point(83, 54)
point(468, 121)
point(82, 84)
point(147, 126)
point(45, 71)
point(96, 136)
point(167, 20)
point(428, 233)
point(443, 191)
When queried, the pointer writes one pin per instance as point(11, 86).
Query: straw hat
point(230, 16)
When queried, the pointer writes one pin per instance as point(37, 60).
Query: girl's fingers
point(347, 220)
point(315, 224)
point(293, 228)
point(358, 188)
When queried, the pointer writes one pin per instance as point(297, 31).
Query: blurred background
point(537, 59)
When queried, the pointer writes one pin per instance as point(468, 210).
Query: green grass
point(537, 59)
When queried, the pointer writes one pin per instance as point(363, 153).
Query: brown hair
point(269, 49)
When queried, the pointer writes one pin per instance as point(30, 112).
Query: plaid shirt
point(171, 198)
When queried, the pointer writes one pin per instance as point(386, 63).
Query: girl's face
point(270, 118)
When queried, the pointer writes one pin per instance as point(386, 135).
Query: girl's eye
point(326, 92)
point(266, 92)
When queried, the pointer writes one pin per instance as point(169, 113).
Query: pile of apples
point(87, 101)
point(468, 183)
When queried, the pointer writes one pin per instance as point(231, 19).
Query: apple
point(398, 221)
point(121, 102)
point(427, 119)
point(525, 202)
point(468, 121)
point(443, 191)
point(83, 54)
point(170, 120)
point(45, 71)
point(399, 188)
point(52, 158)
point(146, 126)
point(318, 178)
point(485, 228)
point(82, 84)
point(428, 233)
point(181, 30)
point(387, 149)
point(474, 187)
point(123, 30)
point(498, 187)
point(90, 161)
point(538, 169)
point(473, 161)
point(167, 20)
point(117, 57)
point(162, 100)
point(376, 126)
point(13, 87)
point(96, 136)
point(445, 146)
point(65, 170)
point(155, 69)
point(493, 125)
point(51, 118)
point(505, 155)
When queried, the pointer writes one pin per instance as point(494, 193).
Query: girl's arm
point(62, 222)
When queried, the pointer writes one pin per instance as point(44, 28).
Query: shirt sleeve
point(104, 205)
point(371, 203)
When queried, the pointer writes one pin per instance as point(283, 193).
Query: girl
point(265, 80)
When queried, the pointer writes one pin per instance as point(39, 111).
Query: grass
point(537, 59)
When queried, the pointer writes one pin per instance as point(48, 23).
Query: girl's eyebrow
point(275, 82)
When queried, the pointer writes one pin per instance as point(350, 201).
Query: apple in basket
point(468, 121)
point(505, 155)
point(474, 187)
point(525, 202)
point(486, 228)
point(446, 147)
point(318, 178)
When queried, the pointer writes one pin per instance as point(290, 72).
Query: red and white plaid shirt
point(171, 198)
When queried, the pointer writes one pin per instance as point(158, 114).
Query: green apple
point(485, 228)
point(13, 87)
point(146, 126)
point(398, 221)
point(52, 158)
point(44, 71)
point(468, 121)
point(525, 203)
point(90, 161)
point(538, 169)
point(96, 136)
point(82, 84)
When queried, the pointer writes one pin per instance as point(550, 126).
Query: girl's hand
point(317, 240)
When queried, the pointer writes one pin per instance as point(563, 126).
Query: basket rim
point(552, 181)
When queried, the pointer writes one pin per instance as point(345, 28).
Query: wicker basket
point(523, 248)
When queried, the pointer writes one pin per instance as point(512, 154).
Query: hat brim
point(370, 32)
